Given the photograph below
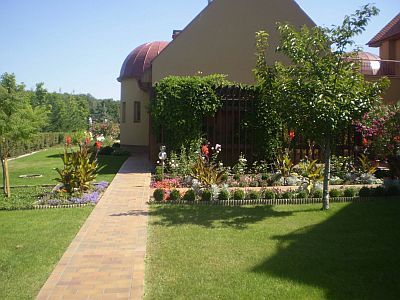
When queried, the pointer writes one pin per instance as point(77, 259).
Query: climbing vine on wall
point(180, 105)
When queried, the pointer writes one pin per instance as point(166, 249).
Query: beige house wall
point(384, 50)
point(221, 39)
point(392, 95)
point(134, 134)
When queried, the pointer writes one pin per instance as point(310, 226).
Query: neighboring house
point(388, 62)
point(221, 39)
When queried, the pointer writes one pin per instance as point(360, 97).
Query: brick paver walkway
point(106, 258)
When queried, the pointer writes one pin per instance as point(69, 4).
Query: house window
point(136, 112)
point(123, 112)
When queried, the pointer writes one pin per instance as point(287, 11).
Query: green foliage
point(284, 165)
point(268, 194)
point(207, 173)
point(223, 195)
point(158, 195)
point(341, 165)
point(317, 194)
point(181, 104)
point(253, 195)
point(313, 173)
point(238, 195)
point(302, 195)
point(80, 169)
point(334, 193)
point(175, 195)
point(287, 195)
point(190, 195)
point(349, 192)
point(240, 167)
point(206, 195)
point(366, 165)
point(365, 192)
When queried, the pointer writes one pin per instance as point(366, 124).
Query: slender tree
point(18, 120)
point(322, 92)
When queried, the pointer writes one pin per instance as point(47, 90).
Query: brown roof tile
point(391, 30)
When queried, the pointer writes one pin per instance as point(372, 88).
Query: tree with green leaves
point(18, 120)
point(322, 92)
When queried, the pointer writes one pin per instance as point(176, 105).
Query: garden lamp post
point(162, 156)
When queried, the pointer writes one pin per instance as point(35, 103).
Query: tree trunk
point(4, 176)
point(327, 173)
point(7, 179)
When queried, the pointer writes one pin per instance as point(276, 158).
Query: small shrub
point(264, 176)
point(335, 193)
point(116, 145)
point(174, 195)
point(393, 190)
point(190, 196)
point(159, 170)
point(224, 177)
point(287, 195)
point(238, 195)
point(223, 195)
point(379, 191)
point(253, 195)
point(268, 194)
point(349, 192)
point(158, 178)
point(365, 192)
point(302, 195)
point(206, 195)
point(236, 176)
point(317, 194)
point(158, 195)
point(253, 183)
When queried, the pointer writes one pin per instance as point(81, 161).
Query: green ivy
point(181, 104)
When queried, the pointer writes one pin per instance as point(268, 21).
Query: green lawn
point(274, 252)
point(31, 243)
point(45, 162)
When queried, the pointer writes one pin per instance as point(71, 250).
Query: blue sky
point(79, 45)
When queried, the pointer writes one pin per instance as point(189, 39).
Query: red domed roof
point(139, 60)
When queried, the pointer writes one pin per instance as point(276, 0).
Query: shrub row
point(380, 191)
point(40, 141)
point(207, 195)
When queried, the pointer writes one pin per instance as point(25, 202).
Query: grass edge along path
point(32, 242)
point(274, 252)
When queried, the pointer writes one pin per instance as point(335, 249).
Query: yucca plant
point(207, 173)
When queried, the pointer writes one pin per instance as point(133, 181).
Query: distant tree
point(322, 92)
point(18, 120)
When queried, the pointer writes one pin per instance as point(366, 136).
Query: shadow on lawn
point(355, 254)
point(213, 216)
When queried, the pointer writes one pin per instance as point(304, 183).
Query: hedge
point(40, 141)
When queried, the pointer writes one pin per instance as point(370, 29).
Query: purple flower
point(53, 202)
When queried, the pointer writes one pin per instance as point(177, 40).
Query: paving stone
point(106, 258)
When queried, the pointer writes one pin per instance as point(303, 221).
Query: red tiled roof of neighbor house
point(139, 60)
point(390, 31)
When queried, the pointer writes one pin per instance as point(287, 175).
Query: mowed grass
point(45, 162)
point(274, 252)
point(31, 243)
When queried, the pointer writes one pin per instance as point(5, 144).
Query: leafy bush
point(335, 193)
point(317, 194)
point(268, 194)
point(108, 150)
point(224, 177)
point(253, 195)
point(265, 176)
point(223, 195)
point(158, 195)
point(190, 196)
point(238, 195)
point(349, 192)
point(159, 170)
point(302, 195)
point(174, 195)
point(379, 191)
point(121, 152)
point(206, 195)
point(287, 195)
point(158, 178)
point(365, 192)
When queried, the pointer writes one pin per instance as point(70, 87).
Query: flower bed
point(58, 197)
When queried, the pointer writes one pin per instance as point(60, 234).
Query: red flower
point(97, 145)
point(204, 150)
point(397, 139)
point(292, 135)
point(68, 140)
point(365, 142)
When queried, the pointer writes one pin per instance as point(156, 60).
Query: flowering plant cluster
point(60, 197)
point(166, 184)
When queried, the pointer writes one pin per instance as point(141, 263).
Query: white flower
point(158, 161)
point(172, 161)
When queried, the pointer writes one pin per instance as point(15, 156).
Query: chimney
point(175, 33)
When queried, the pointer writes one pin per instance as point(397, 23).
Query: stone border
point(294, 201)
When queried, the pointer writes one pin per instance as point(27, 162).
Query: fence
point(226, 128)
